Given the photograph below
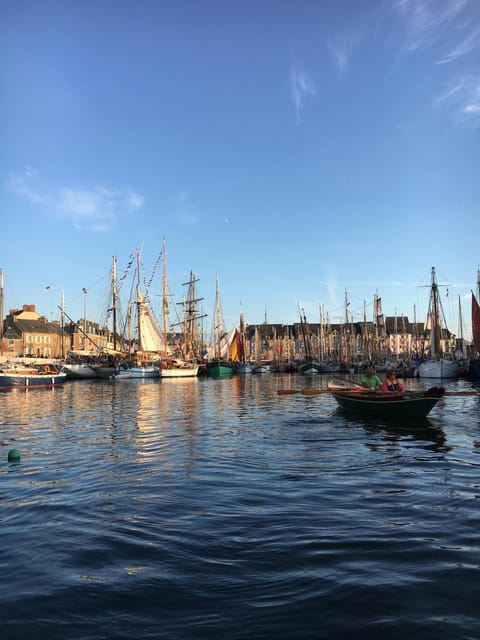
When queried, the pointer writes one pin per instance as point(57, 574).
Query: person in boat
point(391, 383)
point(370, 378)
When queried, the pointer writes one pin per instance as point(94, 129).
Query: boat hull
point(220, 369)
point(137, 372)
point(79, 371)
point(473, 372)
point(310, 368)
point(401, 407)
point(31, 381)
point(243, 368)
point(180, 372)
point(438, 369)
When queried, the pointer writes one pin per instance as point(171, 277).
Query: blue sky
point(299, 149)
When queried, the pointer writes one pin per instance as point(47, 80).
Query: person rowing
point(370, 380)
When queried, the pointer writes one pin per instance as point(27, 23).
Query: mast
point(434, 317)
point(62, 326)
point(114, 301)
point(164, 298)
point(139, 311)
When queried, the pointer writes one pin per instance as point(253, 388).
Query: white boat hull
point(180, 372)
point(438, 369)
point(78, 371)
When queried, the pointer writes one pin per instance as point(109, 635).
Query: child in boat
point(391, 383)
point(370, 378)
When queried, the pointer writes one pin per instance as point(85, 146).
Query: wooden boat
point(390, 404)
point(31, 377)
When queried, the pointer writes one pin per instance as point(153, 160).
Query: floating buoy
point(13, 455)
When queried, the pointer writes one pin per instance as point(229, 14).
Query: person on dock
point(370, 378)
point(391, 383)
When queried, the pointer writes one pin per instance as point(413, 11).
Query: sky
point(308, 152)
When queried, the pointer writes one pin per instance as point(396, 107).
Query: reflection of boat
point(31, 377)
point(390, 405)
point(437, 366)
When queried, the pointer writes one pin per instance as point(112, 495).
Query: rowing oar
point(312, 392)
point(315, 392)
point(462, 393)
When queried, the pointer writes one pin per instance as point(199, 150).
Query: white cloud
point(426, 20)
point(302, 86)
point(462, 49)
point(96, 210)
point(462, 100)
point(342, 49)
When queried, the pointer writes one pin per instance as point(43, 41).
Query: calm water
point(218, 509)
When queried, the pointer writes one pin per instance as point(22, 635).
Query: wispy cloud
point(342, 49)
point(462, 100)
point(461, 49)
point(426, 20)
point(96, 210)
point(302, 86)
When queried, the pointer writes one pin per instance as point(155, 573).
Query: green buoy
point(13, 455)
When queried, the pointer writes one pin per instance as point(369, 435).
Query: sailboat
point(437, 366)
point(474, 363)
point(238, 350)
point(218, 366)
point(186, 364)
point(309, 365)
point(149, 342)
point(104, 365)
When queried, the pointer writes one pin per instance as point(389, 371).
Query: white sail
point(150, 337)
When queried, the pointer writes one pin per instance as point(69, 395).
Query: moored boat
point(31, 377)
point(309, 367)
point(220, 369)
point(127, 371)
point(437, 366)
point(218, 365)
point(174, 368)
point(474, 360)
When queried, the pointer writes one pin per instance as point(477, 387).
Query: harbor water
point(201, 508)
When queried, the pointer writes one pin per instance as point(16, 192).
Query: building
point(27, 333)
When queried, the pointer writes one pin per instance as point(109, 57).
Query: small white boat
point(79, 370)
point(173, 368)
point(261, 368)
